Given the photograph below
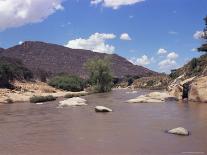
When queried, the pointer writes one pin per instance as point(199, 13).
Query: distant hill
point(54, 59)
point(1, 50)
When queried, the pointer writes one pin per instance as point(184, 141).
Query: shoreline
point(25, 90)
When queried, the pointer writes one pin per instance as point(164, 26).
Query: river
point(132, 129)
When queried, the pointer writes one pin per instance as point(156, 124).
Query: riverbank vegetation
point(38, 99)
point(12, 69)
point(67, 82)
point(100, 75)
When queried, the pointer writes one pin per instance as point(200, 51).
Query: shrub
point(100, 74)
point(67, 82)
point(193, 64)
point(9, 101)
point(37, 99)
point(150, 83)
point(11, 69)
point(74, 95)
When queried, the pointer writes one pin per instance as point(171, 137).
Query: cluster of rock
point(77, 101)
point(154, 97)
point(193, 88)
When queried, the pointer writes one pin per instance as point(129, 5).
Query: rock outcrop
point(176, 88)
point(198, 90)
point(194, 88)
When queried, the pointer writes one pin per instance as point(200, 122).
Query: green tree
point(100, 74)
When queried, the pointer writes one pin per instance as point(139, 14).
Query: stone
point(75, 101)
point(102, 109)
point(154, 97)
point(179, 131)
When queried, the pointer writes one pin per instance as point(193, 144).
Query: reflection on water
point(29, 129)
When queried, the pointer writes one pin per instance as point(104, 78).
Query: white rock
point(102, 109)
point(75, 101)
point(154, 97)
point(179, 131)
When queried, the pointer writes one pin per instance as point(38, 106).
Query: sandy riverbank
point(24, 90)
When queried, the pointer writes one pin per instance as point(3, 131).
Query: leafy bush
point(100, 74)
point(67, 82)
point(150, 83)
point(11, 69)
point(174, 74)
point(37, 99)
point(74, 95)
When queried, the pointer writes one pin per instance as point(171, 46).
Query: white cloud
point(20, 42)
point(198, 34)
point(144, 60)
point(194, 49)
point(173, 32)
point(15, 13)
point(115, 4)
point(96, 43)
point(169, 62)
point(162, 51)
point(125, 36)
point(172, 56)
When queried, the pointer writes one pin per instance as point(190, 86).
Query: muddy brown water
point(132, 129)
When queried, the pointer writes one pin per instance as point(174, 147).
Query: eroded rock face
point(179, 131)
point(75, 101)
point(198, 90)
point(102, 109)
point(176, 88)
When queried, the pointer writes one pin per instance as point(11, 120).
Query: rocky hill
point(53, 59)
point(190, 80)
point(195, 67)
point(1, 50)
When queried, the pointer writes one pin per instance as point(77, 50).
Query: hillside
point(53, 59)
point(196, 67)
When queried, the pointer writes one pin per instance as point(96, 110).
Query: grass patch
point(37, 99)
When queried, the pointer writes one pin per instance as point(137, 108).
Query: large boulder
point(154, 97)
point(102, 109)
point(75, 101)
point(180, 86)
point(179, 131)
point(198, 90)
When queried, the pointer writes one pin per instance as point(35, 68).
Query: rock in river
point(75, 101)
point(102, 109)
point(154, 97)
point(179, 131)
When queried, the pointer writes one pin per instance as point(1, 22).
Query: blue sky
point(149, 26)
